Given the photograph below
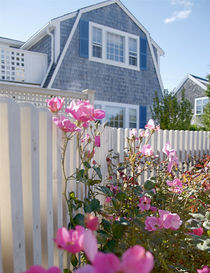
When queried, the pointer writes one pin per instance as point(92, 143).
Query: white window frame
point(202, 106)
point(121, 105)
point(104, 59)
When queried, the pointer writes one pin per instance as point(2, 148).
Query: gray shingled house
point(104, 48)
point(195, 91)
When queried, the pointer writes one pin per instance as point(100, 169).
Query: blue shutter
point(142, 116)
point(84, 37)
point(143, 54)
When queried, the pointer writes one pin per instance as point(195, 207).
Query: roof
point(197, 80)
point(11, 42)
point(39, 34)
point(54, 24)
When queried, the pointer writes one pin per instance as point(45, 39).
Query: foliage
point(160, 225)
point(170, 113)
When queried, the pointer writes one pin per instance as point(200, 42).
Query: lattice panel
point(12, 65)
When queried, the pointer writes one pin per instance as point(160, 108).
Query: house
point(102, 47)
point(195, 91)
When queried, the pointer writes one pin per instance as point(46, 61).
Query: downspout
point(52, 54)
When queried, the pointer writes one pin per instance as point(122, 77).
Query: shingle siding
point(65, 29)
point(43, 46)
point(192, 91)
point(111, 83)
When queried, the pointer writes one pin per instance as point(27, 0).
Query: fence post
point(90, 95)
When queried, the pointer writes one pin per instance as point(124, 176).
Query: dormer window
point(111, 46)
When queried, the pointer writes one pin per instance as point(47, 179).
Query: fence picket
point(16, 187)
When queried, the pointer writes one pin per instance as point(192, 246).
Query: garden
point(123, 225)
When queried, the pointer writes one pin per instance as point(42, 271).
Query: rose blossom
point(91, 222)
point(84, 111)
point(147, 150)
point(65, 124)
point(175, 185)
point(97, 141)
point(197, 231)
point(170, 220)
point(205, 269)
point(152, 223)
point(70, 240)
point(55, 104)
point(144, 203)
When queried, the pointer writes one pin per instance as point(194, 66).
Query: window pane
point(198, 109)
point(115, 47)
point(97, 42)
point(132, 118)
point(115, 116)
point(132, 51)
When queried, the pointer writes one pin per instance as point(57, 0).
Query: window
point(97, 42)
point(115, 116)
point(132, 51)
point(114, 47)
point(200, 103)
point(119, 115)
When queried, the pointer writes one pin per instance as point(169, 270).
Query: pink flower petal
point(90, 245)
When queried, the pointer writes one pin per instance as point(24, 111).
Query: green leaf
point(80, 174)
point(98, 171)
point(74, 260)
point(149, 184)
point(121, 196)
point(72, 195)
point(92, 182)
point(106, 225)
point(87, 165)
point(87, 208)
point(101, 237)
point(95, 205)
point(105, 190)
point(118, 230)
point(66, 270)
point(79, 219)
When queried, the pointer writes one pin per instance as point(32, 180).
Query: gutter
point(52, 53)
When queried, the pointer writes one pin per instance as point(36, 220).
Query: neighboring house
point(195, 91)
point(102, 47)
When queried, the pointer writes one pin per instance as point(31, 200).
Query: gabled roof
point(39, 34)
point(54, 23)
point(10, 42)
point(197, 80)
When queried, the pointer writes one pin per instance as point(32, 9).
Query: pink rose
point(175, 185)
point(144, 203)
point(197, 231)
point(91, 222)
point(99, 114)
point(170, 220)
point(147, 150)
point(152, 223)
point(65, 124)
point(150, 125)
point(108, 199)
point(72, 240)
point(55, 104)
point(205, 269)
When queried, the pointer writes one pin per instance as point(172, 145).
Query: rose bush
point(160, 225)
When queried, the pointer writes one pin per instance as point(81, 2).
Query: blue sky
point(180, 27)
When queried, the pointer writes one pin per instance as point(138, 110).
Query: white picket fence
point(31, 204)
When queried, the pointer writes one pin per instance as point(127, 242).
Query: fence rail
point(31, 205)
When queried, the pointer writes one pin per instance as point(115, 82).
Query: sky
point(180, 27)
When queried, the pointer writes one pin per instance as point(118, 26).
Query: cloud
point(184, 14)
point(180, 15)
